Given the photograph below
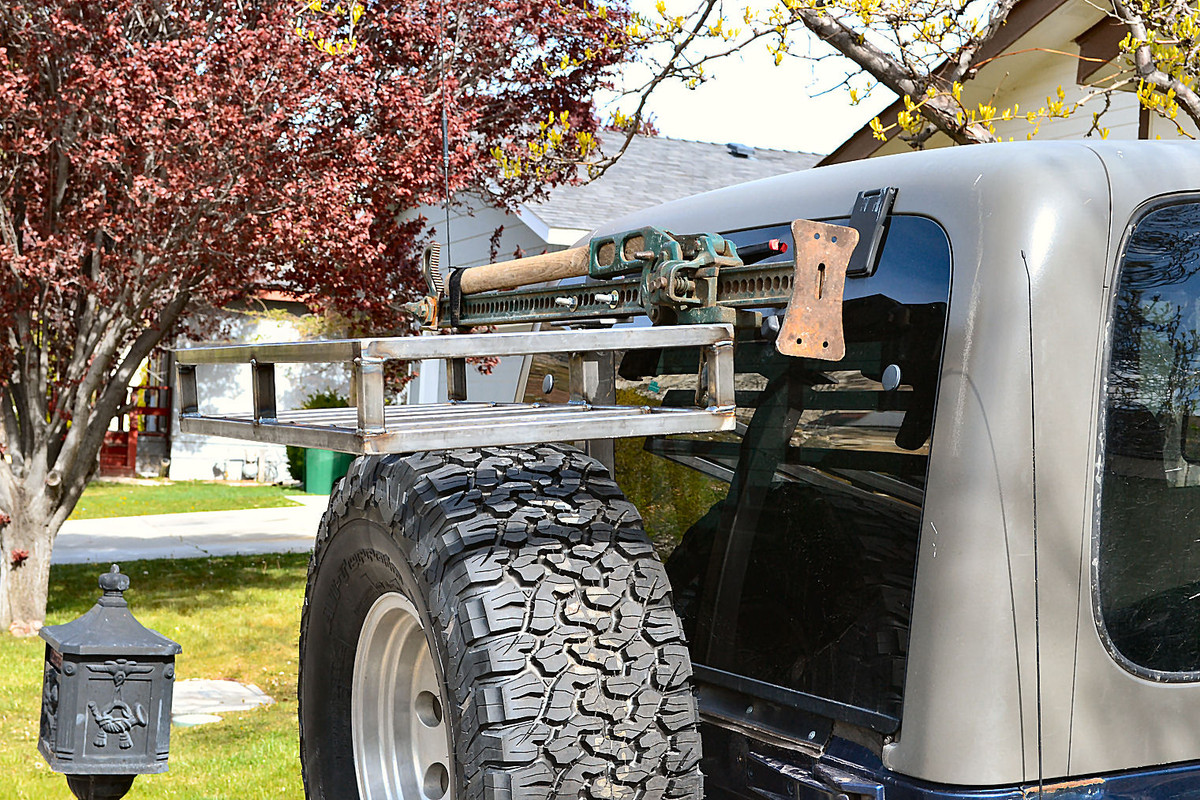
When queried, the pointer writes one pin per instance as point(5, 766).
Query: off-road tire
point(547, 612)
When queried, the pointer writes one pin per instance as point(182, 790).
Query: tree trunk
point(37, 493)
point(25, 546)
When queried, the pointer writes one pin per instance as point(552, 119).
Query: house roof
point(655, 170)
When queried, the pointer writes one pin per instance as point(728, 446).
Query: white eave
point(561, 237)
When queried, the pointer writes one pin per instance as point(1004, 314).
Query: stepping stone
point(198, 700)
point(188, 720)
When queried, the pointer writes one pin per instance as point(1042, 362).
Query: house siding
point(1027, 74)
point(225, 388)
point(471, 230)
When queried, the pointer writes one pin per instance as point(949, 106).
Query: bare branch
point(1147, 68)
point(940, 110)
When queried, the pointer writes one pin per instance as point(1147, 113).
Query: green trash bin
point(322, 468)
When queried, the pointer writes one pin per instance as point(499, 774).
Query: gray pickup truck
point(955, 555)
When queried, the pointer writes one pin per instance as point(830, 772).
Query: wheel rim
point(398, 708)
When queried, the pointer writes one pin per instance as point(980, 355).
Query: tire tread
point(568, 670)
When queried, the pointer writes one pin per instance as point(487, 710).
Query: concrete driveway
point(192, 535)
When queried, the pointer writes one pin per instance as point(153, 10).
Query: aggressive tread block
point(565, 664)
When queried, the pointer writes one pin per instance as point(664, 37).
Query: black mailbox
point(106, 696)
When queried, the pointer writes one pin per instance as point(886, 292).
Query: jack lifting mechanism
point(695, 289)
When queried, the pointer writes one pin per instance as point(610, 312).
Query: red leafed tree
point(159, 154)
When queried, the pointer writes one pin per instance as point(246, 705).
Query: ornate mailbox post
point(106, 696)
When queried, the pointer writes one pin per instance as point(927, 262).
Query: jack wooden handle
point(572, 263)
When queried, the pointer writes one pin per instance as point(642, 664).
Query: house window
point(1147, 566)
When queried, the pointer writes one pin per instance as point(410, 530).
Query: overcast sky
point(751, 101)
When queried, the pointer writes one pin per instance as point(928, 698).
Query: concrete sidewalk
point(193, 535)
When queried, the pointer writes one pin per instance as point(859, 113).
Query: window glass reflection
point(1148, 568)
point(792, 541)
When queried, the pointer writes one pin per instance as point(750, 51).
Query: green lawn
point(113, 499)
point(238, 618)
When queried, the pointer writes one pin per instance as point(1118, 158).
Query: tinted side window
point(797, 561)
point(1148, 564)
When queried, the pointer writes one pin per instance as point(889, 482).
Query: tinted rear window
point(1148, 559)
point(797, 534)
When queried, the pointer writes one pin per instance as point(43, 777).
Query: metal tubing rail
point(373, 428)
point(416, 348)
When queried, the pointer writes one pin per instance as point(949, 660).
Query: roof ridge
point(719, 144)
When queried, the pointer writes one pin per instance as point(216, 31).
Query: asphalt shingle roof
point(656, 170)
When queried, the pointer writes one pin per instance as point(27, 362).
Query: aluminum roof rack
point(371, 427)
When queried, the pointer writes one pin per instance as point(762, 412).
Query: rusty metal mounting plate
point(812, 324)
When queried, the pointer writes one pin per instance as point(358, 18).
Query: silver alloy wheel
point(398, 711)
